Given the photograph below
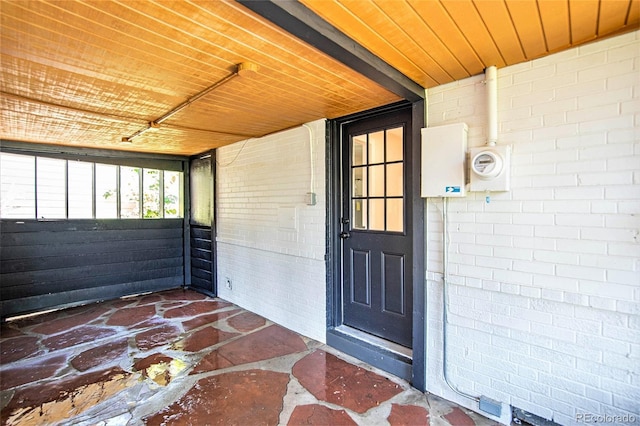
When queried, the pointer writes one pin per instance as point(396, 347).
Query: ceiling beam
point(303, 23)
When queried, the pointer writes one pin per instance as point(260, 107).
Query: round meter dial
point(487, 164)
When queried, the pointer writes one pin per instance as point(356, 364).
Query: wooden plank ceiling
point(90, 73)
point(436, 42)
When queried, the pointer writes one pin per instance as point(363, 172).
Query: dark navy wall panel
point(47, 264)
point(202, 259)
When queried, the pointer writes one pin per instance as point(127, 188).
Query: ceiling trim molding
point(302, 22)
point(90, 154)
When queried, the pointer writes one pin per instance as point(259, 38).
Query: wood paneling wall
point(50, 264)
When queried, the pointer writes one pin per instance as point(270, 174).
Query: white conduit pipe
point(491, 79)
point(445, 301)
point(312, 182)
point(241, 68)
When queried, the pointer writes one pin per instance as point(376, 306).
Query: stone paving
point(179, 357)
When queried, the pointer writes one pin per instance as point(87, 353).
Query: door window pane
point(359, 214)
point(359, 148)
point(376, 147)
point(17, 186)
point(51, 181)
point(395, 180)
point(106, 191)
point(394, 144)
point(201, 192)
point(80, 190)
point(395, 215)
point(376, 214)
point(172, 191)
point(376, 181)
point(151, 192)
point(130, 192)
point(359, 188)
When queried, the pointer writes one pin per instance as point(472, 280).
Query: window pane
point(359, 182)
point(151, 193)
point(376, 181)
point(201, 192)
point(106, 191)
point(17, 186)
point(51, 188)
point(394, 180)
point(376, 214)
point(130, 192)
point(80, 190)
point(376, 147)
point(395, 215)
point(359, 149)
point(359, 214)
point(394, 144)
point(172, 191)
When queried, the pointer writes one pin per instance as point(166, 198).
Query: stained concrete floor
point(179, 357)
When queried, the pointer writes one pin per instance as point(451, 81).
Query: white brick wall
point(271, 244)
point(545, 279)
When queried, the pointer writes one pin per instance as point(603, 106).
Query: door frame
point(411, 368)
point(211, 156)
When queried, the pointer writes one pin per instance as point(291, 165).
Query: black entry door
point(376, 227)
point(202, 224)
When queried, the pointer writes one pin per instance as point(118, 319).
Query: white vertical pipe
point(426, 108)
point(491, 78)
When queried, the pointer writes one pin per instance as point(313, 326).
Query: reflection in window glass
point(376, 147)
point(359, 214)
point(359, 182)
point(151, 191)
point(172, 191)
point(359, 150)
point(130, 192)
point(80, 190)
point(106, 191)
point(51, 188)
point(17, 186)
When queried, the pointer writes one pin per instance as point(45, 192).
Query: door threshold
point(376, 341)
point(380, 353)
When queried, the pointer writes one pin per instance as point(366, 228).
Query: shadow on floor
point(179, 357)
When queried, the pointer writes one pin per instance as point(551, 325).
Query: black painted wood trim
point(82, 296)
point(419, 370)
point(303, 23)
point(214, 220)
point(186, 223)
point(201, 261)
point(348, 344)
point(374, 355)
point(103, 156)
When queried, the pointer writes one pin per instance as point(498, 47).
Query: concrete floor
point(179, 357)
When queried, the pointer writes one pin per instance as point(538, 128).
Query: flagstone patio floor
point(179, 357)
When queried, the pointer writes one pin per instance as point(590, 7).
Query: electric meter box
point(489, 168)
point(444, 153)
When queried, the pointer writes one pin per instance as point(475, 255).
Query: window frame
point(162, 163)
